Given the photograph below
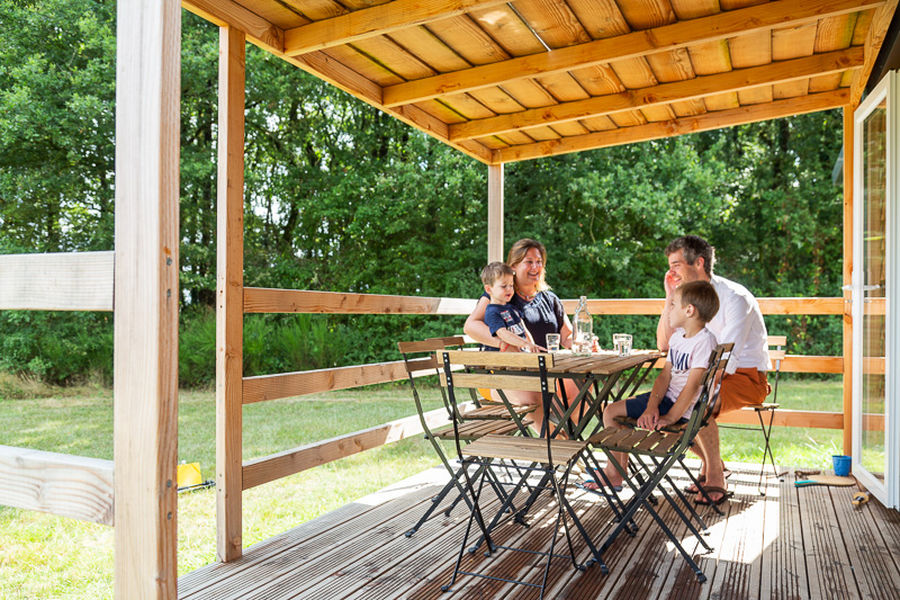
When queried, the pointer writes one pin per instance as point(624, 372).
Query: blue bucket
point(841, 465)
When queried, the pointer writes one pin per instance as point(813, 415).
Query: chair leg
point(767, 449)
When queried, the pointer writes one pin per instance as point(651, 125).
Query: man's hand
point(669, 283)
point(648, 419)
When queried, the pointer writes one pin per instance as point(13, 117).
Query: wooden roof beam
point(226, 12)
point(769, 15)
point(376, 20)
point(881, 20)
point(651, 131)
point(689, 89)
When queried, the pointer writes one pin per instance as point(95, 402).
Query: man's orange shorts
point(745, 387)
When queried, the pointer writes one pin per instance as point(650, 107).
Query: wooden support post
point(230, 295)
point(495, 212)
point(847, 279)
point(148, 88)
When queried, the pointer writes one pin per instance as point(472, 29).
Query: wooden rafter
point(640, 133)
point(731, 81)
point(376, 20)
point(874, 39)
point(225, 12)
point(780, 13)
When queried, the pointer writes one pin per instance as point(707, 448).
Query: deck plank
point(791, 543)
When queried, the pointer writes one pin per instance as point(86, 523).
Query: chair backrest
point(709, 391)
point(420, 356)
point(519, 371)
point(777, 344)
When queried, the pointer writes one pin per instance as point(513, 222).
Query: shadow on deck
point(792, 543)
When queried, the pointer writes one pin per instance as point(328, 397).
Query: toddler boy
point(504, 321)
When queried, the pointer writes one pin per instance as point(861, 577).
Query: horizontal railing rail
point(61, 484)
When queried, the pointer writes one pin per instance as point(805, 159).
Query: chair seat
point(524, 449)
point(470, 430)
point(495, 411)
point(636, 441)
point(766, 406)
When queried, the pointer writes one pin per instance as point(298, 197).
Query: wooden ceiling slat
point(664, 93)
point(529, 93)
point(469, 41)
point(569, 128)
point(598, 80)
point(689, 108)
point(668, 37)
point(719, 102)
point(793, 42)
point(644, 14)
point(316, 10)
point(603, 123)
point(863, 22)
point(280, 14)
point(756, 96)
point(440, 111)
point(467, 106)
point(359, 63)
point(692, 9)
point(374, 21)
point(542, 134)
point(600, 18)
point(824, 83)
point(791, 89)
point(563, 87)
point(393, 57)
point(505, 27)
point(420, 42)
point(835, 32)
point(497, 100)
point(751, 50)
point(553, 21)
point(631, 118)
point(761, 112)
point(710, 57)
point(658, 113)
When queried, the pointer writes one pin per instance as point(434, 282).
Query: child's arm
point(650, 416)
point(512, 339)
point(685, 398)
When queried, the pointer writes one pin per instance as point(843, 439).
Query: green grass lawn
point(42, 556)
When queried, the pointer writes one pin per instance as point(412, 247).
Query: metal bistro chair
point(776, 345)
point(551, 458)
point(655, 453)
point(475, 422)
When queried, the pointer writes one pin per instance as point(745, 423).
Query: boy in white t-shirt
point(677, 387)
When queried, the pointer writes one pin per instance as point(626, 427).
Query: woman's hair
point(517, 254)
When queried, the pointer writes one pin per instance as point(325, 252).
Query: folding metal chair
point(776, 355)
point(481, 419)
point(551, 458)
point(655, 453)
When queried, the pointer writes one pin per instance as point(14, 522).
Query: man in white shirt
point(738, 321)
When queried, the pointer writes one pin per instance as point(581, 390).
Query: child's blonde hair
point(494, 271)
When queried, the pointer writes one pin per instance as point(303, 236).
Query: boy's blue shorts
point(637, 405)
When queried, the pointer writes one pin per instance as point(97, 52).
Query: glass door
point(875, 242)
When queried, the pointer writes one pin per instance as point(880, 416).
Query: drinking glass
point(553, 342)
point(622, 343)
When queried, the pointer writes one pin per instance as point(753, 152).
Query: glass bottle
point(583, 328)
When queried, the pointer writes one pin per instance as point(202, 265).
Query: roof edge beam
point(676, 91)
point(228, 13)
point(780, 13)
point(374, 21)
point(661, 129)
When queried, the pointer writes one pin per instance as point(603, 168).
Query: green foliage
point(342, 197)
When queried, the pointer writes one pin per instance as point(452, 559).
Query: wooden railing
point(271, 387)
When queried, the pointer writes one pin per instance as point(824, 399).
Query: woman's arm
point(476, 328)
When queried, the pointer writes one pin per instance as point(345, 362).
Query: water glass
point(553, 342)
point(622, 343)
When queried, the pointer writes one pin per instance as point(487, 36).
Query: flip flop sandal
point(589, 485)
point(725, 495)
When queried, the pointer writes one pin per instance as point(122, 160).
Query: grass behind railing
point(42, 556)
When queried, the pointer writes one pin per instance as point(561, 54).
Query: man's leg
point(613, 411)
point(708, 439)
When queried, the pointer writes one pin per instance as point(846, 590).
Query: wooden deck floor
point(792, 543)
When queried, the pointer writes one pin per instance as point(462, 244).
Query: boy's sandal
point(724, 495)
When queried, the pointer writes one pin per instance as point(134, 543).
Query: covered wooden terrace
point(499, 81)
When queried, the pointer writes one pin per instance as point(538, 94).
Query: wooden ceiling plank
point(835, 32)
point(751, 50)
point(874, 38)
point(750, 114)
point(693, 9)
point(600, 18)
point(225, 12)
point(370, 22)
point(725, 101)
point(698, 87)
point(758, 95)
point(778, 13)
point(793, 42)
